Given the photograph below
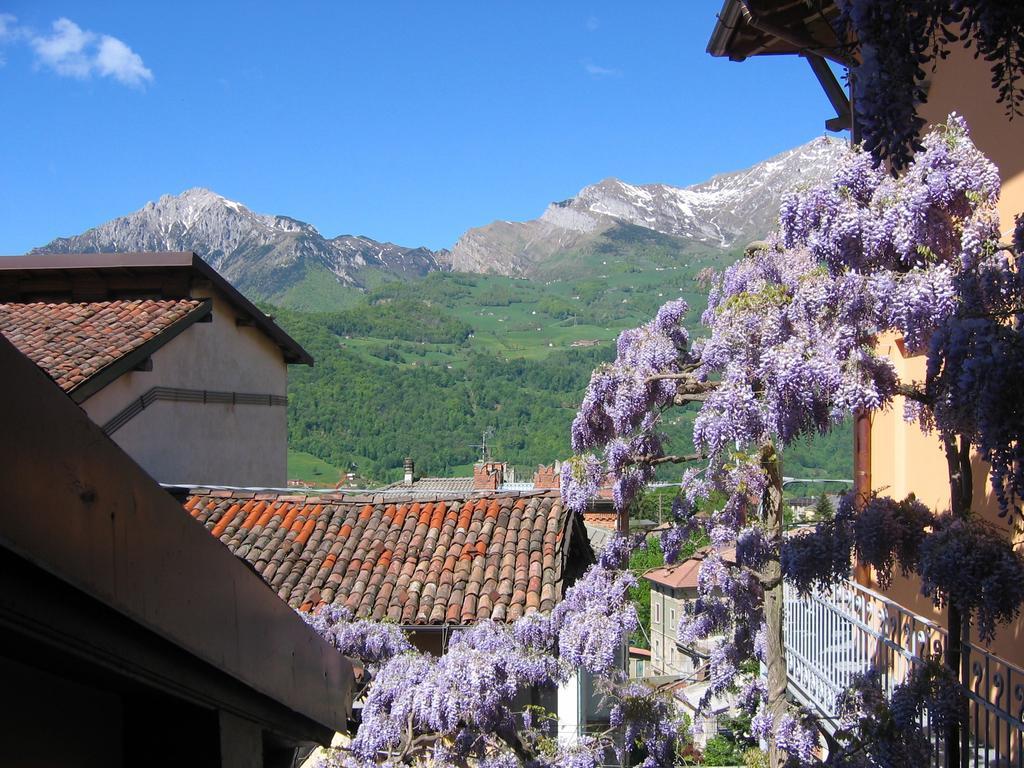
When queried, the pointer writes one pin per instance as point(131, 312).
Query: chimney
point(548, 478)
point(488, 475)
point(409, 470)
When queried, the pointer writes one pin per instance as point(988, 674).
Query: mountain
point(289, 262)
point(261, 254)
point(724, 213)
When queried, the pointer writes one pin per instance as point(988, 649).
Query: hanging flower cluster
point(462, 705)
point(967, 564)
point(621, 407)
point(919, 255)
point(789, 352)
point(900, 40)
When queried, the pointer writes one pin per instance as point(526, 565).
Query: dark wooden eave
point(95, 276)
point(748, 28)
point(99, 564)
point(805, 28)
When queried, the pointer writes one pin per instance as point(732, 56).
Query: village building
point(159, 344)
point(681, 668)
point(599, 518)
point(673, 588)
point(639, 662)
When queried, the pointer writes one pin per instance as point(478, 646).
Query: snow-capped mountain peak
point(726, 211)
point(260, 252)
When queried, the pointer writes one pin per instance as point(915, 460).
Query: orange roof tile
point(683, 575)
point(607, 520)
point(457, 561)
point(73, 341)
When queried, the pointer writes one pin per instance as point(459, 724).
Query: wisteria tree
point(791, 352)
point(465, 707)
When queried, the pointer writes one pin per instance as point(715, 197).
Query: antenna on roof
point(485, 449)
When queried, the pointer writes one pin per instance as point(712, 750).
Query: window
point(672, 616)
point(657, 650)
point(656, 613)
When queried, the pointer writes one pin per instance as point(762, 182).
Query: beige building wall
point(212, 443)
point(904, 460)
point(963, 84)
point(666, 610)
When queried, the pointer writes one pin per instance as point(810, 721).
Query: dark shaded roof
point(85, 345)
point(75, 276)
point(80, 510)
point(435, 485)
point(456, 561)
point(747, 28)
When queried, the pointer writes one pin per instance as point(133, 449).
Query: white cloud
point(595, 70)
point(117, 60)
point(65, 50)
point(9, 32)
point(75, 52)
point(8, 25)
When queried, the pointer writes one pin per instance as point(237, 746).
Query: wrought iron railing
point(831, 636)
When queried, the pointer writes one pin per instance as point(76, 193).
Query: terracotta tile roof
point(453, 561)
point(73, 341)
point(683, 575)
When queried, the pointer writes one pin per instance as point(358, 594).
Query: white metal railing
point(831, 636)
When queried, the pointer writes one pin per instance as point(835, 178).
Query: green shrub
point(721, 751)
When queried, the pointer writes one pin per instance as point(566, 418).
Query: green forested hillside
point(421, 368)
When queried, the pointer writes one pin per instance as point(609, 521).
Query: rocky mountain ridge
point(266, 255)
point(258, 252)
point(726, 212)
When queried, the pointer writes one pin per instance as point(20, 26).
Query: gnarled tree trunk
point(771, 577)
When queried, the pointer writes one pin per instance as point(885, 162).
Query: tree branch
point(653, 461)
point(690, 390)
point(684, 376)
point(912, 392)
point(683, 398)
point(769, 583)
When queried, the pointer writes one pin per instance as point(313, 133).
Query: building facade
point(174, 364)
point(673, 588)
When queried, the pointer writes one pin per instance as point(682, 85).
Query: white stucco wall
point(213, 443)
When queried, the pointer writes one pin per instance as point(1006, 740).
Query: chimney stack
point(409, 470)
point(488, 475)
point(548, 478)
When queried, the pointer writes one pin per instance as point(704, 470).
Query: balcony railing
point(832, 636)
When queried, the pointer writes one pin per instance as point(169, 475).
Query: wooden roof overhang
point(806, 28)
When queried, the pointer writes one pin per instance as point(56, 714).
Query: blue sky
point(407, 122)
